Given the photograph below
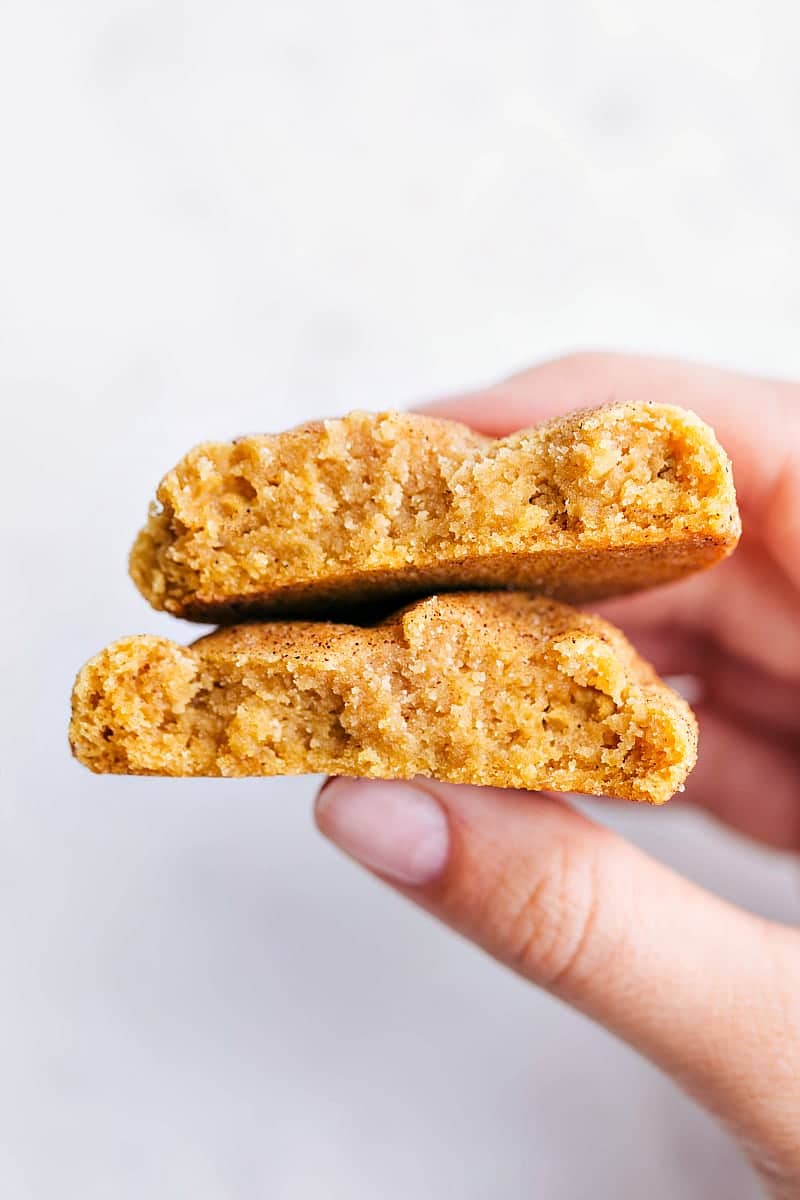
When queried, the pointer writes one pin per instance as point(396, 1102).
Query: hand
point(708, 992)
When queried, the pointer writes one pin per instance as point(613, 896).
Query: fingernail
point(393, 828)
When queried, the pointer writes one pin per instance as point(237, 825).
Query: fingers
point(724, 683)
point(705, 991)
point(749, 781)
point(757, 421)
point(748, 768)
point(746, 606)
point(781, 514)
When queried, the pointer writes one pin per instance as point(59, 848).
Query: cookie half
point(485, 688)
point(344, 512)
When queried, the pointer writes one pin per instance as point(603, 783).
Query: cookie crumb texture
point(491, 688)
point(339, 512)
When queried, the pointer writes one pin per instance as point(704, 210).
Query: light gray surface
point(217, 219)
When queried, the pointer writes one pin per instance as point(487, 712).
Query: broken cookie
point(488, 688)
point(339, 513)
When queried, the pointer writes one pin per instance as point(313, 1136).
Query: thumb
point(704, 990)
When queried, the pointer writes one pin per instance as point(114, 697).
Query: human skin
point(565, 902)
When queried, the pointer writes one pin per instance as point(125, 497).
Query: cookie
point(485, 688)
point(340, 513)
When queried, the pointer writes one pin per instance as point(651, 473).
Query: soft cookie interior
point(343, 511)
point(494, 688)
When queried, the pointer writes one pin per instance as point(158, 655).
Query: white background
point(219, 218)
